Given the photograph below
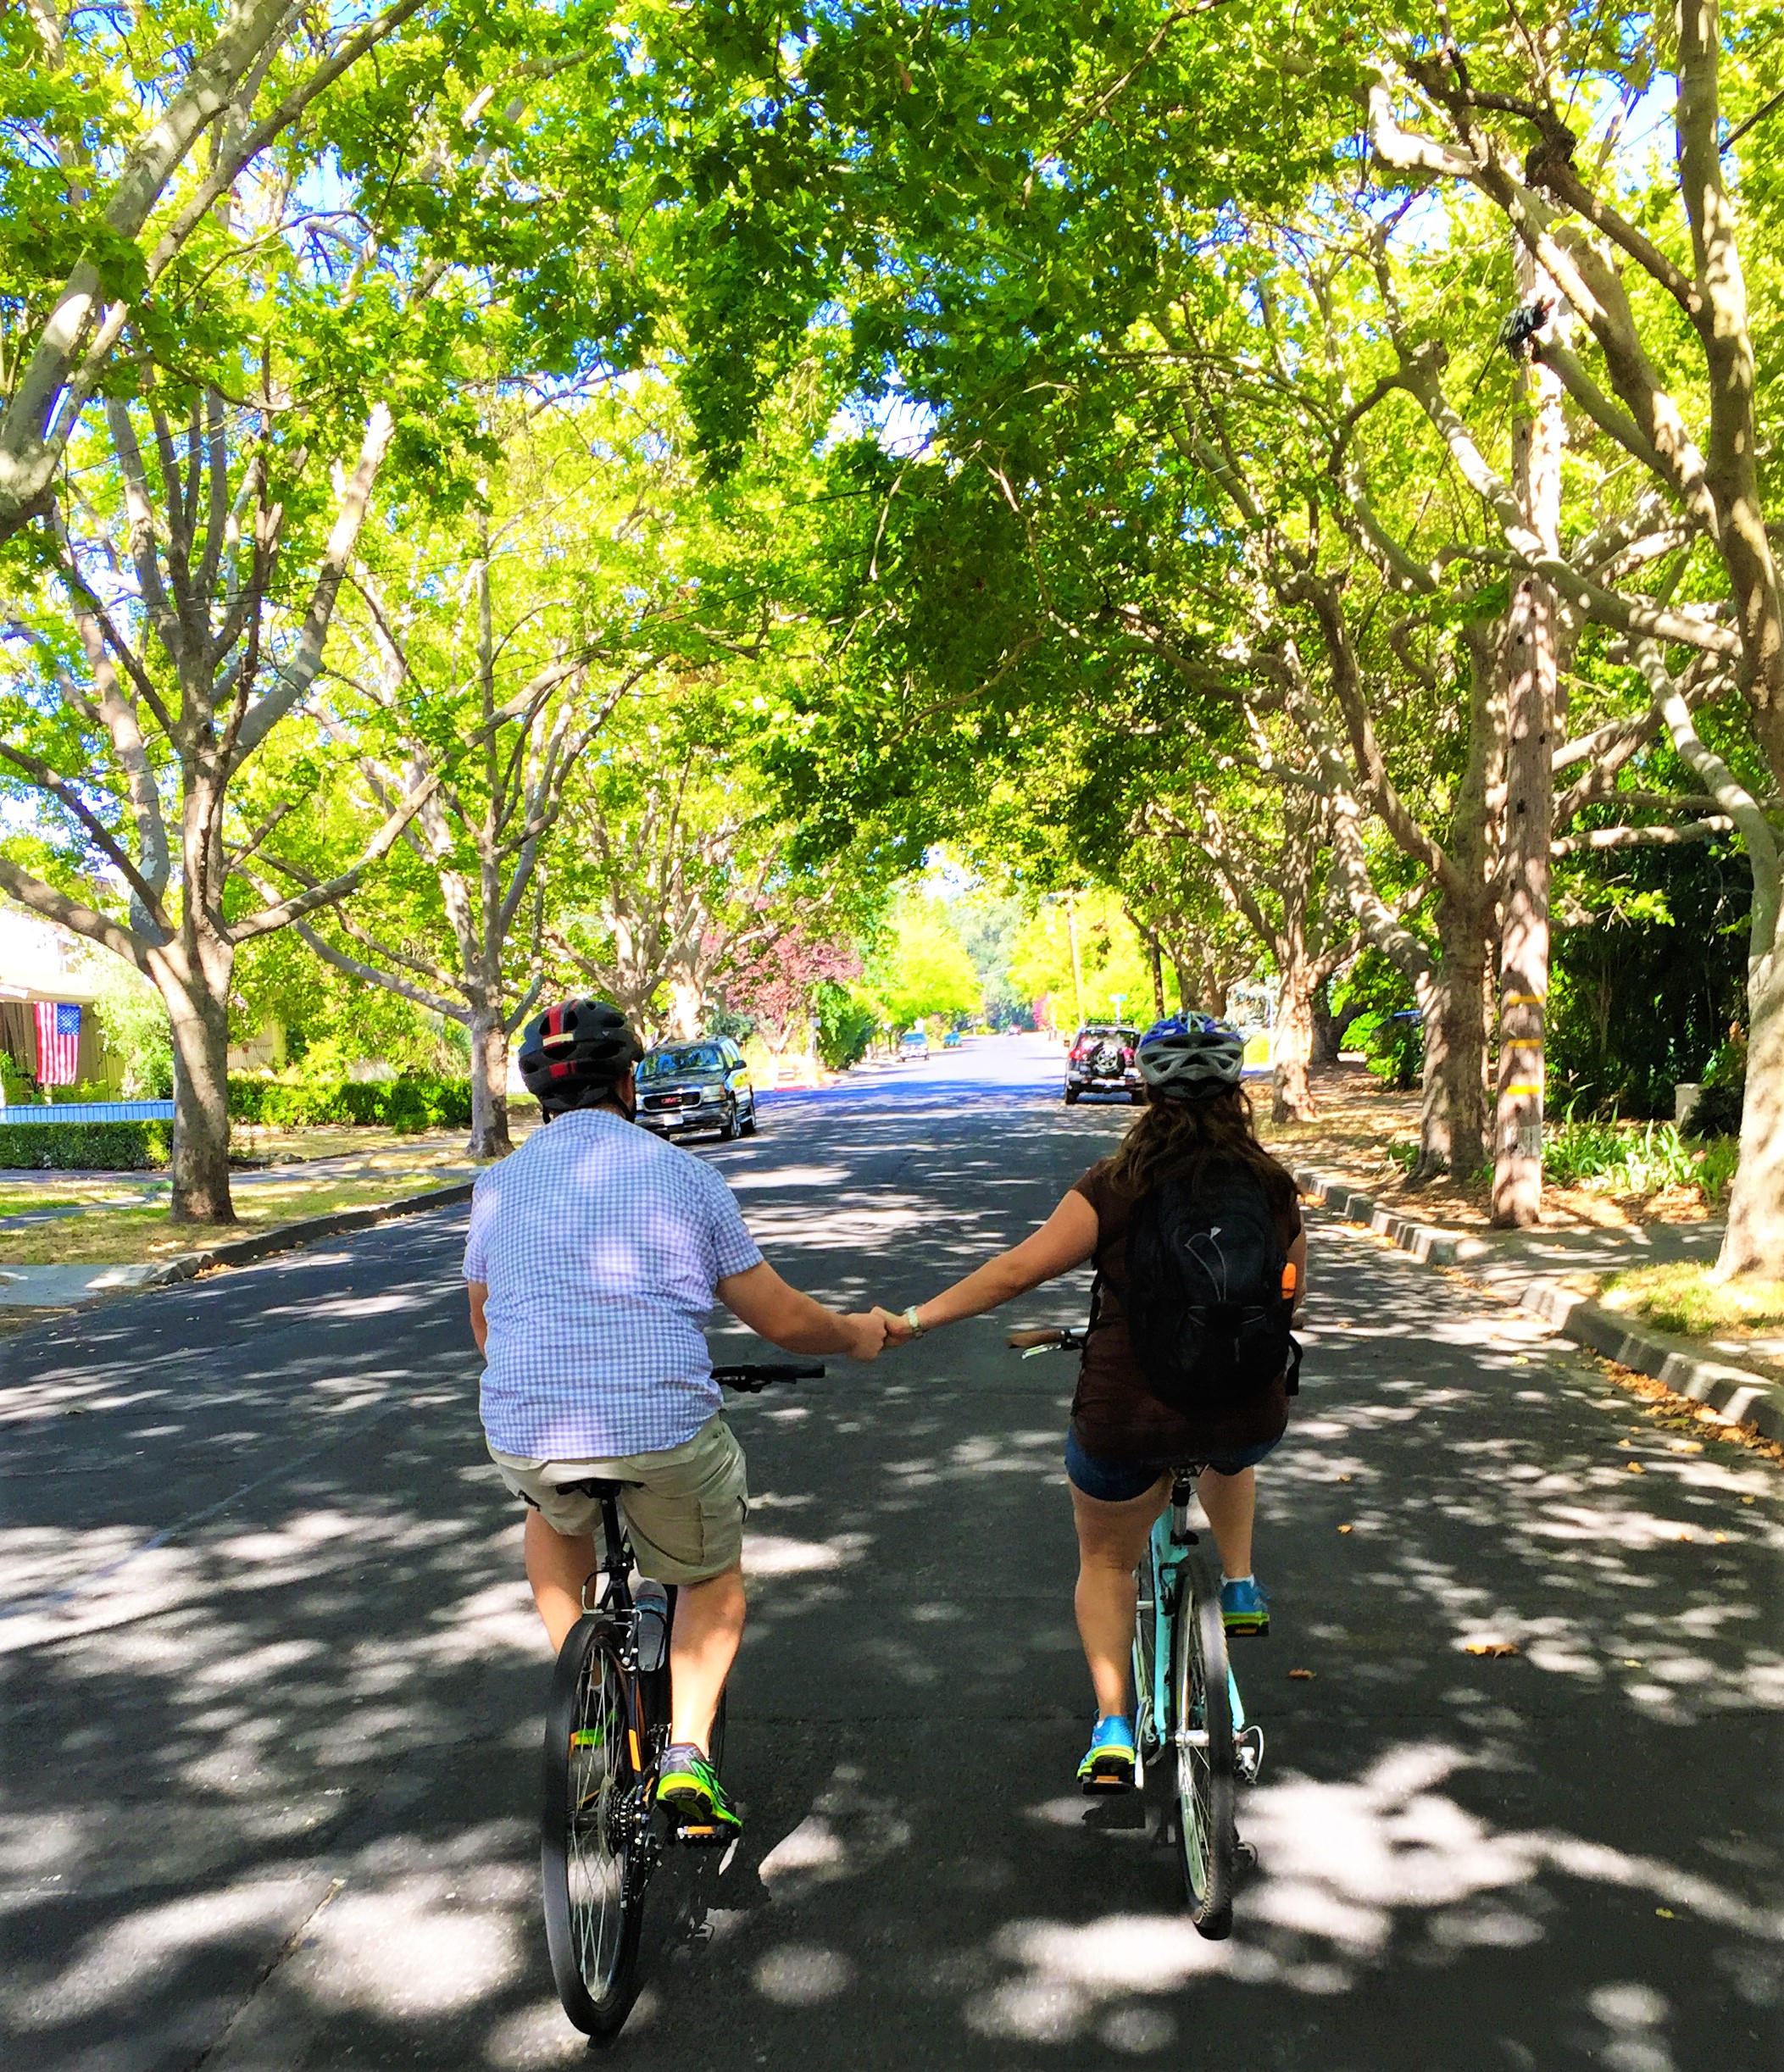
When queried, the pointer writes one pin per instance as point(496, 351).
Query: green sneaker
point(688, 1785)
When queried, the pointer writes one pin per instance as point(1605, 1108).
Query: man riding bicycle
point(596, 1252)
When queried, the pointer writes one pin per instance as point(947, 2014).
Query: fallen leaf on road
point(1300, 1676)
point(1345, 1477)
point(1492, 1648)
point(1347, 1528)
point(1666, 1913)
point(1636, 1468)
point(1685, 1535)
point(1721, 1539)
point(1746, 1499)
point(1630, 1663)
point(1687, 1445)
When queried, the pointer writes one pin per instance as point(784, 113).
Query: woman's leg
point(1111, 1539)
point(1231, 1501)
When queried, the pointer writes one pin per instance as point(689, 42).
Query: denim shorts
point(1119, 1481)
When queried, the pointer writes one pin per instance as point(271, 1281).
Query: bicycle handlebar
point(1058, 1338)
point(751, 1378)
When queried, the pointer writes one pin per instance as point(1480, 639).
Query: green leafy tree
point(920, 965)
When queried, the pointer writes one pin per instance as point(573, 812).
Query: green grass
point(120, 1237)
point(1682, 1297)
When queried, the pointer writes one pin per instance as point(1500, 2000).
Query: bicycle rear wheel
point(590, 1833)
point(1205, 1767)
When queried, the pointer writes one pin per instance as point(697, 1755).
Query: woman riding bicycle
point(1123, 1441)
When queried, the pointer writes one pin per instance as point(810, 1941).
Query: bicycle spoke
point(592, 1884)
point(1202, 1726)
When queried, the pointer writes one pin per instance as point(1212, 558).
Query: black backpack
point(1206, 1310)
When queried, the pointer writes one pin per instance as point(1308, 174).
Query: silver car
point(683, 1087)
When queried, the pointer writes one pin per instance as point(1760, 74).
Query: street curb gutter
point(293, 1237)
point(1735, 1393)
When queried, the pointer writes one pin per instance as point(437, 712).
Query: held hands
point(868, 1333)
point(898, 1331)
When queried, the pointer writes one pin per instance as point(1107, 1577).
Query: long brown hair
point(1174, 1140)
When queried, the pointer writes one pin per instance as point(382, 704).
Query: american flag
point(59, 1042)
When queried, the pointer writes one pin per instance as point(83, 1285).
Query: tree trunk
point(1077, 965)
point(1753, 1241)
point(1155, 959)
point(1463, 936)
point(489, 1137)
point(686, 1004)
point(194, 983)
point(1290, 1047)
point(1531, 673)
point(1328, 1032)
point(1432, 991)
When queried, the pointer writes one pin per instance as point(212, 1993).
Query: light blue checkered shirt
point(600, 1245)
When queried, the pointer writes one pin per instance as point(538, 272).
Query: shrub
point(845, 1026)
point(1717, 1110)
point(1394, 1046)
point(414, 1102)
point(1717, 1167)
point(1627, 1161)
point(99, 1146)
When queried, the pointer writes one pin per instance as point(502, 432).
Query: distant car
point(914, 1043)
point(952, 1040)
point(683, 1087)
point(1101, 1061)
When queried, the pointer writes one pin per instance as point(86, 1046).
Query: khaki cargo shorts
point(683, 1507)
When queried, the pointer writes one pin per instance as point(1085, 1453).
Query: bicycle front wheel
point(1202, 1728)
point(1148, 1728)
point(593, 1888)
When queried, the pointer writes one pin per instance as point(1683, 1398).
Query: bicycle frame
point(1171, 1541)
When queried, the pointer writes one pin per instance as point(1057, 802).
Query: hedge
point(407, 1104)
point(97, 1147)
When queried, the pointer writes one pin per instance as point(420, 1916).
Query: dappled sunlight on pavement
point(275, 1683)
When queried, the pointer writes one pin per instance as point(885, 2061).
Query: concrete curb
point(293, 1237)
point(1735, 1393)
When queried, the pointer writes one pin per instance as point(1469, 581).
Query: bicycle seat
point(595, 1485)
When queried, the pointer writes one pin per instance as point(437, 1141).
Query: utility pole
point(1530, 667)
point(1077, 966)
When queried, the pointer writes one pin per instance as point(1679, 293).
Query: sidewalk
point(59, 1255)
point(1553, 1274)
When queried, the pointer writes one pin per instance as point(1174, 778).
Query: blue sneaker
point(1108, 1763)
point(1244, 1608)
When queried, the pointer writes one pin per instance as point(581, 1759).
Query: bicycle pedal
point(1248, 1751)
point(1245, 1854)
point(703, 1837)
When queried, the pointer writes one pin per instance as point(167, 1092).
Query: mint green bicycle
point(1190, 1727)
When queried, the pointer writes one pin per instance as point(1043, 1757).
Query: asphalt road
point(273, 1688)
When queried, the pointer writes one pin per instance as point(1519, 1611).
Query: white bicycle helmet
point(1190, 1058)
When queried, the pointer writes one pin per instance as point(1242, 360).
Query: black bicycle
point(606, 1727)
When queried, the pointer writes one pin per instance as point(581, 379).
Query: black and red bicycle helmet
point(583, 1046)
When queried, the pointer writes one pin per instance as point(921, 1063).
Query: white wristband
point(910, 1318)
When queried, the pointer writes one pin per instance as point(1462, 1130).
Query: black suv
point(686, 1086)
point(1101, 1061)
